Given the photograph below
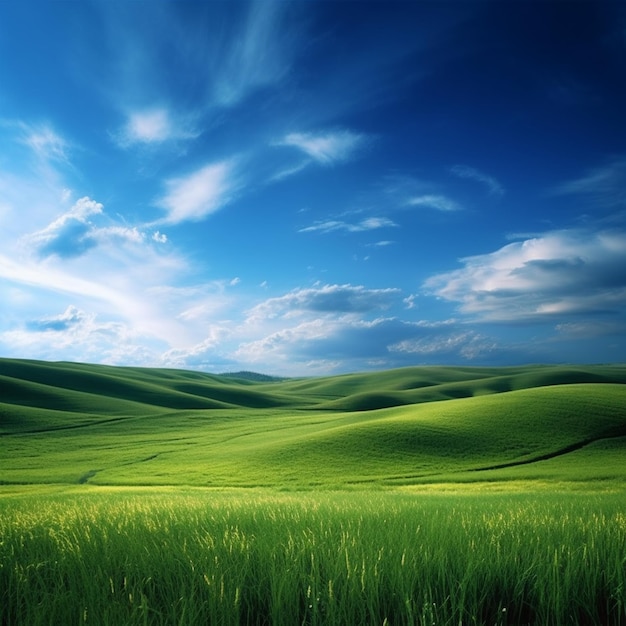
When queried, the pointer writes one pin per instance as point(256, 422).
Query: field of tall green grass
point(422, 496)
point(335, 558)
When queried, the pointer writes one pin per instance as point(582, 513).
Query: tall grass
point(261, 557)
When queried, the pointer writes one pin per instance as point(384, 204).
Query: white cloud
point(336, 299)
point(123, 233)
point(83, 208)
point(410, 301)
point(559, 273)
point(193, 197)
point(115, 283)
point(71, 317)
point(328, 342)
point(100, 265)
point(326, 147)
point(467, 344)
point(78, 335)
point(493, 186)
point(206, 355)
point(75, 233)
point(433, 201)
point(78, 283)
point(282, 347)
point(70, 234)
point(149, 126)
point(153, 126)
point(370, 223)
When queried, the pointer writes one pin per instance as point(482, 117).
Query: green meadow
point(434, 495)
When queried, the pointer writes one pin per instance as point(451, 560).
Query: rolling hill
point(77, 423)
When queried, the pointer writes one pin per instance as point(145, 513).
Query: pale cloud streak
point(197, 195)
point(603, 185)
point(370, 223)
point(326, 148)
point(434, 201)
point(35, 157)
point(49, 277)
point(230, 53)
point(45, 143)
point(260, 53)
point(493, 186)
point(289, 171)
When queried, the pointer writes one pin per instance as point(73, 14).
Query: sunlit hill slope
point(77, 423)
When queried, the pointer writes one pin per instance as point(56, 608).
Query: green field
point(435, 495)
point(72, 423)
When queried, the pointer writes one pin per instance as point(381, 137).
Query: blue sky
point(312, 187)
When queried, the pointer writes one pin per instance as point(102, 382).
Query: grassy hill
point(77, 423)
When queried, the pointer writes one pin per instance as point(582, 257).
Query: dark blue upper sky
point(313, 186)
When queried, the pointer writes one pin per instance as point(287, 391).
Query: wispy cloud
point(230, 53)
point(327, 147)
point(560, 273)
point(49, 277)
point(434, 201)
point(604, 185)
point(260, 53)
point(493, 186)
point(286, 172)
point(204, 191)
point(370, 223)
point(45, 142)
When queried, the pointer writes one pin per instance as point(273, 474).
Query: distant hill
point(76, 423)
point(253, 376)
